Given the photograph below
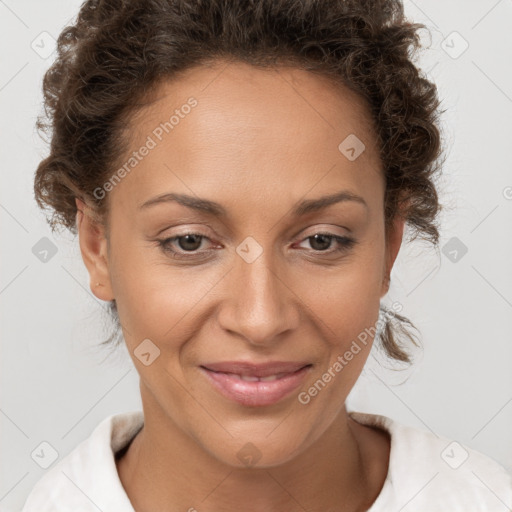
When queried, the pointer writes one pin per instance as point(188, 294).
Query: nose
point(259, 305)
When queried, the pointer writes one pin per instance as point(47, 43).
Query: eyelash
point(345, 244)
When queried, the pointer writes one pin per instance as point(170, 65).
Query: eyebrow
point(216, 209)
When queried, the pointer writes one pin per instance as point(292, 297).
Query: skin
point(258, 141)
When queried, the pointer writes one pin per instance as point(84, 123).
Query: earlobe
point(93, 247)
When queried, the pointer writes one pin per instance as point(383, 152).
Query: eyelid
point(187, 229)
point(328, 229)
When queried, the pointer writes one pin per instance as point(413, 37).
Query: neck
point(166, 469)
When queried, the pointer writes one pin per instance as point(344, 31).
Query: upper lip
point(245, 368)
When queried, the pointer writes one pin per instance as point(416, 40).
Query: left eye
point(321, 240)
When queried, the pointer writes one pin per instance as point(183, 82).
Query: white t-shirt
point(426, 473)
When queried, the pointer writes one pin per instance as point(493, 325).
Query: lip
point(256, 370)
point(226, 378)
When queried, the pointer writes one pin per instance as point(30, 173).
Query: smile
point(252, 378)
point(253, 390)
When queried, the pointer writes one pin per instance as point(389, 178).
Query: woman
point(240, 175)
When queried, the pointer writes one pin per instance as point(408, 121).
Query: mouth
point(256, 385)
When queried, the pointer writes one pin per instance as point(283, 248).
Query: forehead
point(260, 130)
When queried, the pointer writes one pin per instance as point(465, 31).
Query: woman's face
point(253, 150)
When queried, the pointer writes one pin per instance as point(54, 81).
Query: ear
point(393, 244)
point(93, 246)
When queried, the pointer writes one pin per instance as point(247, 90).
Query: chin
point(257, 451)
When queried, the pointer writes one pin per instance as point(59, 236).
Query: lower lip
point(256, 393)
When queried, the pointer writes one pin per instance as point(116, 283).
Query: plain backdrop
point(56, 386)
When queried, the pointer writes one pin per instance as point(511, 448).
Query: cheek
point(156, 299)
point(153, 303)
point(346, 299)
point(345, 306)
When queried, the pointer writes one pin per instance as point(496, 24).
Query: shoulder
point(429, 472)
point(86, 479)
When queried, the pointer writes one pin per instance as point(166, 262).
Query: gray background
point(56, 386)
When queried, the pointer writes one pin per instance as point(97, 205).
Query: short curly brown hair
point(117, 52)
